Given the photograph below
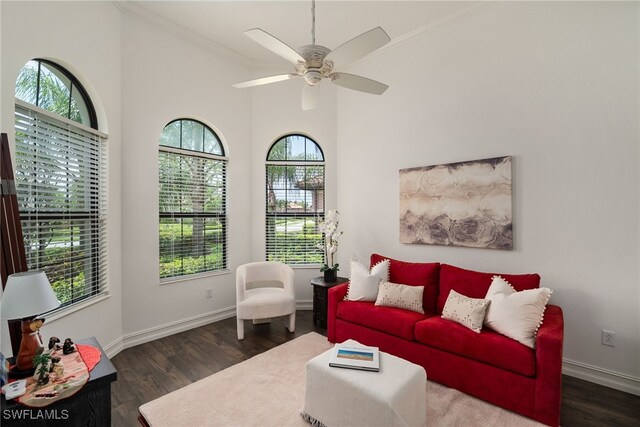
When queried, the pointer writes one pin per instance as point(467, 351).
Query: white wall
point(168, 78)
point(276, 111)
point(67, 33)
point(555, 85)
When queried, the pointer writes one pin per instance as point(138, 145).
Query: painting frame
point(467, 204)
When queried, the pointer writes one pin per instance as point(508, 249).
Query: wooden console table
point(91, 406)
point(320, 298)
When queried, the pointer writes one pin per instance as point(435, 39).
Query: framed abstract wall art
point(458, 204)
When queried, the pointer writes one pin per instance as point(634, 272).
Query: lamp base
point(16, 373)
point(30, 346)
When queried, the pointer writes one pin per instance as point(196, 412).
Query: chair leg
point(292, 322)
point(240, 329)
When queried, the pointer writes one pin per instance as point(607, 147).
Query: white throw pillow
point(363, 284)
point(466, 311)
point(400, 296)
point(517, 315)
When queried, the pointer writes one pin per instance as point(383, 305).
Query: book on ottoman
point(355, 357)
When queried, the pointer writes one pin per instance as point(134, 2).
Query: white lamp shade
point(27, 294)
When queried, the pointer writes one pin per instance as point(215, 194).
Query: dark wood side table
point(91, 406)
point(321, 299)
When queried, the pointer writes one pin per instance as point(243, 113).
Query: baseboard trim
point(140, 337)
point(146, 335)
point(304, 304)
point(114, 348)
point(605, 377)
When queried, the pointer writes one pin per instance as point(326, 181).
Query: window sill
point(63, 312)
point(305, 266)
point(170, 280)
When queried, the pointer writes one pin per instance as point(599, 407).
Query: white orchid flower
point(331, 235)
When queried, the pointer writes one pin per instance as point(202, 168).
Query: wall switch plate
point(609, 338)
point(209, 292)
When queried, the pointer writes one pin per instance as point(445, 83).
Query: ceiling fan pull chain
point(313, 21)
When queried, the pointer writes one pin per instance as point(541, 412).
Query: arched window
point(193, 200)
point(61, 180)
point(295, 200)
point(51, 87)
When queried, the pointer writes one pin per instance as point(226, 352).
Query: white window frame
point(222, 216)
point(317, 216)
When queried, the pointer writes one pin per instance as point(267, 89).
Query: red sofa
point(488, 365)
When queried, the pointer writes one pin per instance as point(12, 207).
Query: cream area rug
point(268, 390)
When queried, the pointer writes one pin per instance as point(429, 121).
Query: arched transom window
point(51, 87)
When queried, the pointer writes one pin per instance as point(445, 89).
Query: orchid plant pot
point(330, 275)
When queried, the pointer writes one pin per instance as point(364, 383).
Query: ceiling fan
point(314, 62)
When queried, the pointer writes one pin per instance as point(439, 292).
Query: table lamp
point(27, 295)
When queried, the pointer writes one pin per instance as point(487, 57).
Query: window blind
point(193, 221)
point(294, 211)
point(61, 181)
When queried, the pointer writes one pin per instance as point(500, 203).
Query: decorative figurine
point(68, 346)
point(54, 362)
point(56, 368)
point(54, 343)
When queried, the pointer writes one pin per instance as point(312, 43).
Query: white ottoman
point(395, 396)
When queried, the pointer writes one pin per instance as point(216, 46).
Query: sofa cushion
point(363, 283)
point(401, 296)
point(468, 312)
point(487, 346)
point(415, 274)
point(517, 315)
point(394, 321)
point(475, 284)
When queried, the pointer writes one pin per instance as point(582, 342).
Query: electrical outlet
point(209, 294)
point(609, 338)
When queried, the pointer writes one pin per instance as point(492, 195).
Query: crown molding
point(136, 11)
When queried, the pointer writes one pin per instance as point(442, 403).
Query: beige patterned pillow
point(466, 311)
point(400, 296)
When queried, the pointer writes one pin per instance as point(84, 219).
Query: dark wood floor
point(156, 368)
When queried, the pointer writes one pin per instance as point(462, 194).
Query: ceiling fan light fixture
point(313, 77)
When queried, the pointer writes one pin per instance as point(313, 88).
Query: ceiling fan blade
point(362, 84)
point(358, 47)
point(264, 81)
point(274, 45)
point(310, 96)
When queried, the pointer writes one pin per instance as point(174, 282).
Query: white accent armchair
point(264, 302)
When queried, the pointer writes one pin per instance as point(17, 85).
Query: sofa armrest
point(336, 294)
point(549, 343)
